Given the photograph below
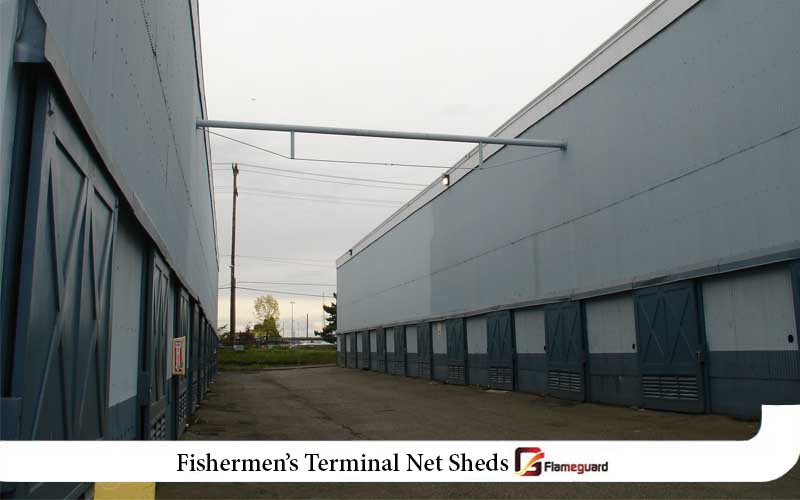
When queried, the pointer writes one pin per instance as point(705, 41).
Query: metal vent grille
point(158, 430)
point(423, 370)
point(182, 413)
point(674, 387)
point(455, 373)
point(398, 367)
point(564, 381)
point(500, 375)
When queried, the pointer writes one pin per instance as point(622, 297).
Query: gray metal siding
point(8, 107)
point(136, 60)
point(750, 311)
point(127, 309)
point(476, 335)
point(703, 147)
point(411, 340)
point(749, 317)
point(439, 338)
point(529, 329)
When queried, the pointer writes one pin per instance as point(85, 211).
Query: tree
point(246, 337)
point(267, 328)
point(328, 332)
point(267, 307)
point(224, 335)
point(268, 313)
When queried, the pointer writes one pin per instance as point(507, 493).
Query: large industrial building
point(107, 212)
point(653, 263)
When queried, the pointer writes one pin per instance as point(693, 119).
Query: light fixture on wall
point(445, 180)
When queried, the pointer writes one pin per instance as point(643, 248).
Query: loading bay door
point(456, 351)
point(671, 347)
point(351, 350)
point(793, 337)
point(399, 364)
point(341, 351)
point(565, 340)
point(363, 350)
point(154, 361)
point(424, 350)
point(380, 349)
point(500, 350)
point(180, 382)
point(59, 370)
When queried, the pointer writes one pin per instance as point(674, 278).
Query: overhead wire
point(283, 261)
point(227, 285)
point(316, 174)
point(327, 181)
point(321, 261)
point(370, 202)
point(279, 292)
point(329, 160)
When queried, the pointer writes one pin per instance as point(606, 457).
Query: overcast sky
point(428, 66)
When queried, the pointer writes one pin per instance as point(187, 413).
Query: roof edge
point(645, 25)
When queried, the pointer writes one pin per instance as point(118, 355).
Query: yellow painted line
point(124, 491)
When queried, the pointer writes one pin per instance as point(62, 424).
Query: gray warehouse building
point(107, 207)
point(652, 263)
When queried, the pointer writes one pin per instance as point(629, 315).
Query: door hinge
point(10, 418)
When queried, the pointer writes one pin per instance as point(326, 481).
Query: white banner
point(765, 457)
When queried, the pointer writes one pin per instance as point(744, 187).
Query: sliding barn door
point(60, 373)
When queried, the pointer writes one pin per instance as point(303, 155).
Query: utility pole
point(292, 302)
point(306, 325)
point(234, 333)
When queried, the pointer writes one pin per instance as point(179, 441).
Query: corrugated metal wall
point(676, 157)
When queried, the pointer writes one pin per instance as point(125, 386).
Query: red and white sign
point(179, 356)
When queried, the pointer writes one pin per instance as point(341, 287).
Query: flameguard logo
point(533, 465)
point(529, 461)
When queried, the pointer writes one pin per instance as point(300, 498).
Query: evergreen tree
point(328, 332)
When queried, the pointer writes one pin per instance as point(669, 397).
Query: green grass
point(253, 359)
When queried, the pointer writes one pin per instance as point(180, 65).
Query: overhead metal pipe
point(388, 134)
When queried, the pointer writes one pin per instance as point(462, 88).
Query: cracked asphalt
point(331, 403)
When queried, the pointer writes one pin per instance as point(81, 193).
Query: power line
point(279, 283)
point(314, 195)
point(321, 261)
point(337, 201)
point(519, 160)
point(326, 181)
point(328, 160)
point(265, 167)
point(281, 292)
point(283, 261)
point(334, 202)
